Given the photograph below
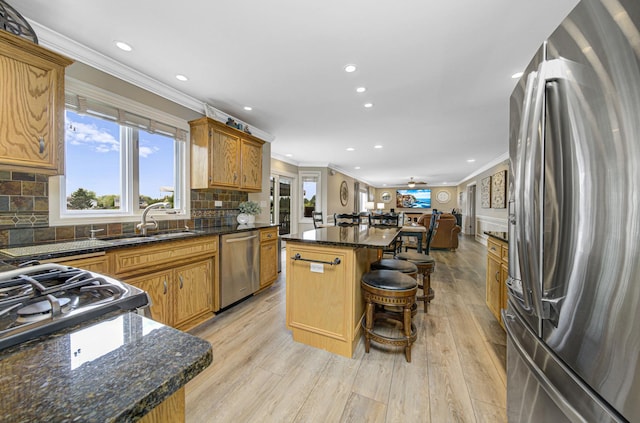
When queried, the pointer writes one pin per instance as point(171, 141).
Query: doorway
point(280, 199)
point(470, 224)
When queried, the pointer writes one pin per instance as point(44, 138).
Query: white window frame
point(319, 199)
point(182, 194)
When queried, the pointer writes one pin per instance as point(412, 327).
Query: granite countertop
point(49, 250)
point(502, 236)
point(114, 369)
point(347, 236)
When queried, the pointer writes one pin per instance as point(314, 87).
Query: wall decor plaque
point(485, 192)
point(344, 193)
point(498, 190)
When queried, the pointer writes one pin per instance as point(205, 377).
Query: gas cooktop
point(41, 299)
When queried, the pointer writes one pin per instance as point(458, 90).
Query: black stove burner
point(44, 309)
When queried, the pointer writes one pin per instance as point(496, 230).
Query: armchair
point(446, 237)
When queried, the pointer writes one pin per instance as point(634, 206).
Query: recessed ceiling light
point(357, 167)
point(181, 78)
point(350, 68)
point(361, 89)
point(471, 160)
point(351, 149)
point(368, 105)
point(377, 146)
point(289, 155)
point(248, 108)
point(123, 46)
point(517, 75)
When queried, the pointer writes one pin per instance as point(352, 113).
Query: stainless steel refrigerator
point(573, 314)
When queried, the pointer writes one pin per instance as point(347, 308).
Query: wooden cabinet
point(224, 157)
point(92, 262)
point(157, 287)
point(193, 287)
point(324, 302)
point(269, 256)
point(180, 276)
point(497, 273)
point(31, 106)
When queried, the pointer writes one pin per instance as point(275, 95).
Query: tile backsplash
point(24, 212)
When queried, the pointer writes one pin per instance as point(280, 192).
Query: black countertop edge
point(349, 237)
point(218, 230)
point(120, 384)
point(502, 236)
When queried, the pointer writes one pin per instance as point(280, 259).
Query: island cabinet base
point(170, 410)
point(324, 301)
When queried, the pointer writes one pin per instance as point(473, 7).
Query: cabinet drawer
point(495, 248)
point(143, 259)
point(505, 253)
point(268, 234)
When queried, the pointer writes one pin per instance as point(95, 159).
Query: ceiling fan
point(413, 183)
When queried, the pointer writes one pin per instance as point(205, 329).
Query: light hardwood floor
point(457, 373)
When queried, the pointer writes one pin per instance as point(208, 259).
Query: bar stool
point(402, 266)
point(425, 264)
point(389, 288)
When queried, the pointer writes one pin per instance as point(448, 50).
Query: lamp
point(369, 205)
point(380, 207)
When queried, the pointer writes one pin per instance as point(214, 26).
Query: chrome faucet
point(144, 225)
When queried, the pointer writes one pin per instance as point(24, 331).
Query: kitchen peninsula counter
point(116, 369)
point(324, 268)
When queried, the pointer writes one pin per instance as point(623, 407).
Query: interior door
point(281, 198)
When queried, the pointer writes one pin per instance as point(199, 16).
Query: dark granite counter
point(502, 236)
point(49, 250)
point(347, 236)
point(114, 369)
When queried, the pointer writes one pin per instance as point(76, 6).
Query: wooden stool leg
point(407, 331)
point(368, 325)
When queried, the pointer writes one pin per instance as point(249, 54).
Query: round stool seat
point(415, 257)
point(389, 280)
point(393, 264)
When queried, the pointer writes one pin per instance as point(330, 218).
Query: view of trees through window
point(98, 155)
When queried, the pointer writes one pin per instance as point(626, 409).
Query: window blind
point(88, 106)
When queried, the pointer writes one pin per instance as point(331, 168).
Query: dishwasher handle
point(240, 239)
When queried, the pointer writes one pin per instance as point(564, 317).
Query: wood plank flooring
point(457, 373)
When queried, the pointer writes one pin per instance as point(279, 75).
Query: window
point(311, 193)
point(117, 162)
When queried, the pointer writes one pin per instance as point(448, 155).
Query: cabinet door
point(268, 263)
point(251, 166)
point(224, 159)
point(193, 287)
point(30, 108)
point(158, 287)
point(494, 267)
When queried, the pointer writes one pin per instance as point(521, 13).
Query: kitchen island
point(324, 267)
point(115, 369)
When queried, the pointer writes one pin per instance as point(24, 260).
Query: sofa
point(446, 236)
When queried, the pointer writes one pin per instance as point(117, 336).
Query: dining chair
point(346, 219)
point(317, 219)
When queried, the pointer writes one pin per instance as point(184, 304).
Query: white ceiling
point(438, 73)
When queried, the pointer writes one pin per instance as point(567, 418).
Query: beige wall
point(487, 219)
point(445, 207)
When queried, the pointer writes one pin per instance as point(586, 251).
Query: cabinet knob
point(41, 143)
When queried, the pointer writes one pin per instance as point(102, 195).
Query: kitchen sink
point(130, 240)
point(171, 235)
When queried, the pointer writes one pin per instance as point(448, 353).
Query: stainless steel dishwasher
point(239, 266)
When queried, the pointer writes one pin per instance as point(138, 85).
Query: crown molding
point(494, 162)
point(66, 46)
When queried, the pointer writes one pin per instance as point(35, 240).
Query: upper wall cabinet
point(31, 106)
point(224, 157)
